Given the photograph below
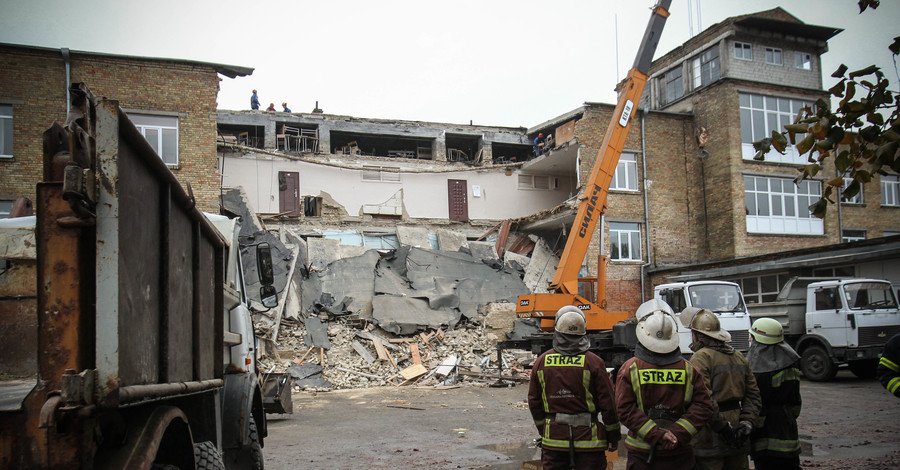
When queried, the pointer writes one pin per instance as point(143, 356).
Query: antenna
point(616, 23)
point(699, 23)
point(690, 10)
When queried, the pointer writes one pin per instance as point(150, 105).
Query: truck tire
point(256, 457)
point(864, 368)
point(816, 364)
point(207, 456)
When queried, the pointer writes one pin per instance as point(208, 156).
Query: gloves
point(613, 440)
point(742, 431)
point(727, 433)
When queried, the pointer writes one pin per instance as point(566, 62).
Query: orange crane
point(564, 287)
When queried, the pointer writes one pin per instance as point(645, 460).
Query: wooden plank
point(402, 340)
point(414, 352)
point(413, 371)
point(390, 358)
point(379, 349)
point(300, 361)
point(425, 339)
point(321, 356)
point(359, 348)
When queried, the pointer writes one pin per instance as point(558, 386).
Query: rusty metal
point(134, 393)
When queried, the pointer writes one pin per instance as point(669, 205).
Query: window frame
point(781, 207)
point(771, 109)
point(7, 116)
point(628, 164)
point(529, 182)
point(890, 191)
point(857, 199)
point(745, 49)
point(673, 81)
point(775, 52)
point(380, 174)
point(148, 121)
point(757, 294)
point(710, 62)
point(630, 232)
point(798, 60)
point(848, 236)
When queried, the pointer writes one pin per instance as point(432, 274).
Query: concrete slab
point(316, 333)
point(404, 315)
point(413, 236)
point(521, 260)
point(350, 281)
point(541, 268)
point(483, 250)
point(322, 252)
point(448, 240)
point(347, 251)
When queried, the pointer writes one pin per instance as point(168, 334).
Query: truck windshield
point(863, 295)
point(717, 297)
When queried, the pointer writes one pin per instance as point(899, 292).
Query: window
point(382, 174)
point(624, 241)
point(162, 134)
point(674, 86)
point(625, 177)
point(777, 205)
point(773, 56)
point(743, 51)
point(840, 271)
point(760, 115)
point(802, 60)
point(708, 67)
point(855, 199)
point(758, 289)
point(848, 236)
point(539, 182)
point(6, 131)
point(890, 190)
point(5, 209)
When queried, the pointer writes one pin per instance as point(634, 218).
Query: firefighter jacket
point(889, 366)
point(653, 398)
point(775, 431)
point(735, 396)
point(573, 385)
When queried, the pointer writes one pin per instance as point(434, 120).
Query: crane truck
point(128, 342)
point(611, 336)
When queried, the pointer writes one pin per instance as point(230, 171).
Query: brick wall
point(34, 81)
point(758, 70)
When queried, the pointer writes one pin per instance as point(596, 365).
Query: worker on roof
point(571, 399)
point(775, 443)
point(538, 144)
point(254, 101)
point(660, 397)
point(271, 107)
point(724, 444)
point(286, 109)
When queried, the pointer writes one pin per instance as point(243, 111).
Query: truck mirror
point(264, 264)
point(268, 296)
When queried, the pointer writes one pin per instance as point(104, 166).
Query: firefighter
point(569, 386)
point(889, 366)
point(724, 443)
point(660, 396)
point(775, 444)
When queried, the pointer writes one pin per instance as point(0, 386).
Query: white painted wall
point(424, 194)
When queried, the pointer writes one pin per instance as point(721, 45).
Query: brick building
point(173, 102)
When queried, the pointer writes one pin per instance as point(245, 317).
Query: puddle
point(526, 456)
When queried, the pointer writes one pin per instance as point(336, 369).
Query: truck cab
point(720, 297)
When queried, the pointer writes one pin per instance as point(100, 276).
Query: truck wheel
point(816, 364)
point(256, 457)
point(864, 368)
point(207, 456)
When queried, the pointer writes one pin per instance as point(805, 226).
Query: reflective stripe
point(564, 443)
point(637, 442)
point(586, 381)
point(689, 388)
point(613, 427)
point(786, 375)
point(893, 385)
point(540, 422)
point(687, 426)
point(636, 385)
point(647, 427)
point(558, 360)
point(889, 364)
point(776, 445)
point(543, 391)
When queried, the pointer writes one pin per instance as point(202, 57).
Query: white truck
point(721, 297)
point(834, 321)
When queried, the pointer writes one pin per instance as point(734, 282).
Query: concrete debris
point(413, 236)
point(541, 269)
point(322, 252)
point(317, 333)
point(449, 240)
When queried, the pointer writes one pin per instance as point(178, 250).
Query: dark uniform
point(652, 398)
point(775, 444)
point(573, 389)
point(889, 366)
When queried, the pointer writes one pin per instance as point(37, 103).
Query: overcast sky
point(495, 62)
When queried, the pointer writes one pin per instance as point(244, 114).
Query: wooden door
point(289, 193)
point(458, 200)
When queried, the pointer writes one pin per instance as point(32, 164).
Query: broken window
point(381, 174)
point(161, 133)
point(312, 206)
point(507, 153)
point(380, 145)
point(250, 136)
point(6, 131)
point(462, 148)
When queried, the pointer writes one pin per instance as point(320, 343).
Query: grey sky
point(500, 62)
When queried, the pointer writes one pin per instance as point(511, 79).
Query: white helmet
point(767, 331)
point(651, 306)
point(658, 332)
point(570, 320)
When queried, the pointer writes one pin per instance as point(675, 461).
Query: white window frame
point(857, 199)
point(163, 126)
point(778, 206)
point(529, 182)
point(760, 115)
point(848, 236)
point(890, 190)
point(802, 60)
point(625, 177)
point(754, 287)
point(774, 56)
point(6, 124)
point(625, 236)
point(743, 51)
point(380, 174)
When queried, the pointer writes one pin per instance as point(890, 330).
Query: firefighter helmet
point(570, 320)
point(657, 332)
point(651, 306)
point(767, 331)
point(704, 322)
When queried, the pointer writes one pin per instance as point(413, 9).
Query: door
point(289, 193)
point(459, 203)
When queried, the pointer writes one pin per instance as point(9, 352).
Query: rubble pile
point(361, 355)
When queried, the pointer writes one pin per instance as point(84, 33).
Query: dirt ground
point(846, 424)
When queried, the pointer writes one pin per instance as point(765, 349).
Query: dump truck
point(125, 319)
point(612, 336)
point(834, 321)
point(723, 298)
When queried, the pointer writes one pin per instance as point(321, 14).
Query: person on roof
point(271, 107)
point(286, 109)
point(254, 101)
point(571, 399)
point(538, 144)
